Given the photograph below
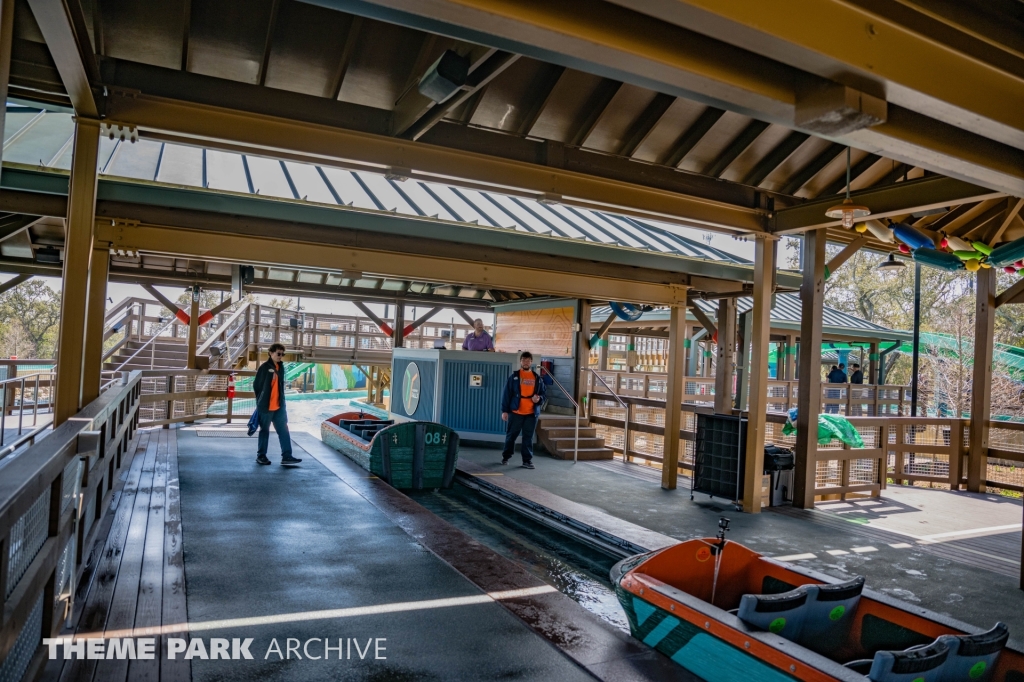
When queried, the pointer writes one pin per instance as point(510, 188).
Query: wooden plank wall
point(542, 332)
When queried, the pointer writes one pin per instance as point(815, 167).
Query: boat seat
point(829, 613)
point(782, 614)
point(973, 657)
point(918, 664)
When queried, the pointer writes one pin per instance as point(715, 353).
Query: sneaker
point(287, 461)
point(528, 465)
point(504, 462)
point(262, 459)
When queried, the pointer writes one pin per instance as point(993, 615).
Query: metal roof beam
point(275, 7)
point(694, 134)
point(813, 167)
point(261, 249)
point(346, 57)
point(646, 122)
point(70, 49)
point(323, 144)
point(774, 158)
point(542, 87)
point(920, 62)
point(598, 104)
point(684, 62)
point(745, 138)
point(891, 200)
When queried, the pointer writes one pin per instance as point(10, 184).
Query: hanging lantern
point(848, 212)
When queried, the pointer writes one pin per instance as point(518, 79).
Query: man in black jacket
point(520, 406)
point(269, 388)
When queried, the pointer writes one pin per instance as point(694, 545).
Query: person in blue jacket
point(520, 406)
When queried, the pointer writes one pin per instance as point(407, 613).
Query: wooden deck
point(138, 581)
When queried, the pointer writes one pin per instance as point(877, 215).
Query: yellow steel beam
point(78, 245)
point(911, 59)
point(260, 250)
point(657, 52)
point(219, 127)
point(99, 269)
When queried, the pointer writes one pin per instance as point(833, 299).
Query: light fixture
point(847, 211)
point(891, 263)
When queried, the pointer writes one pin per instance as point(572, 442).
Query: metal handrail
point(625, 407)
point(153, 337)
point(23, 380)
point(576, 444)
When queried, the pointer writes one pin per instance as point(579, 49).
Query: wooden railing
point(175, 396)
point(53, 497)
point(847, 399)
point(903, 450)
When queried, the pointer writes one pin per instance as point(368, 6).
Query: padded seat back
point(782, 614)
point(920, 664)
point(973, 657)
point(829, 613)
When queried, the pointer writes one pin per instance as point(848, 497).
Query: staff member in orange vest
point(269, 388)
point(520, 407)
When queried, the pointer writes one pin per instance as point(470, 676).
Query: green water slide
point(294, 370)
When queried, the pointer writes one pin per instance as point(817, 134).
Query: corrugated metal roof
point(786, 315)
point(44, 139)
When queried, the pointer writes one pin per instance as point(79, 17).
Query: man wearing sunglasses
point(269, 388)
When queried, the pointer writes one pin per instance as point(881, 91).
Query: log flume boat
point(728, 614)
point(412, 455)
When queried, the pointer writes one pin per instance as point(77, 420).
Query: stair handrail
point(625, 407)
point(576, 445)
point(222, 329)
point(153, 337)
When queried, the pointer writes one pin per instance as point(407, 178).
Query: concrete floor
point(968, 576)
point(268, 547)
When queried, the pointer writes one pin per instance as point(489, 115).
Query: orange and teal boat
point(728, 614)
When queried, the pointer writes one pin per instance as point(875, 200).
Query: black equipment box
point(718, 456)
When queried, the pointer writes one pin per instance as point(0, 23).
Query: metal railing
point(13, 396)
point(576, 443)
point(53, 496)
point(625, 407)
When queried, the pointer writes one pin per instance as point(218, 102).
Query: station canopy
point(41, 140)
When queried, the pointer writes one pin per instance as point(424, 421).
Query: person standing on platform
point(837, 375)
point(478, 339)
point(857, 377)
point(269, 388)
point(520, 406)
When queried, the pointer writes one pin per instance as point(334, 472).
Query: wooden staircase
point(165, 353)
point(558, 436)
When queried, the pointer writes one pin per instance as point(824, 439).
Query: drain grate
point(221, 433)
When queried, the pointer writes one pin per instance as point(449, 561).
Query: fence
point(53, 496)
point(904, 450)
point(848, 399)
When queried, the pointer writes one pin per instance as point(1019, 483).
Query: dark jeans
point(519, 423)
point(280, 420)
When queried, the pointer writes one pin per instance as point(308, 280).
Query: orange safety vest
point(275, 396)
point(527, 387)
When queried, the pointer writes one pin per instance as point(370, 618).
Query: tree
point(33, 307)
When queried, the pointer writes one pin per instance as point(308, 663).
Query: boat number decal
point(411, 388)
point(777, 626)
point(435, 438)
point(703, 554)
point(837, 612)
point(977, 670)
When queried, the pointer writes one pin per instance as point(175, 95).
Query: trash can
point(779, 464)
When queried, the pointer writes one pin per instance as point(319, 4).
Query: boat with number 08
point(413, 455)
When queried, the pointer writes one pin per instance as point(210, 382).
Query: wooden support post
point(582, 351)
point(726, 351)
point(193, 331)
point(673, 397)
point(790, 358)
point(94, 317)
point(743, 336)
point(79, 230)
point(602, 354)
point(398, 331)
point(812, 295)
point(981, 388)
point(760, 331)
